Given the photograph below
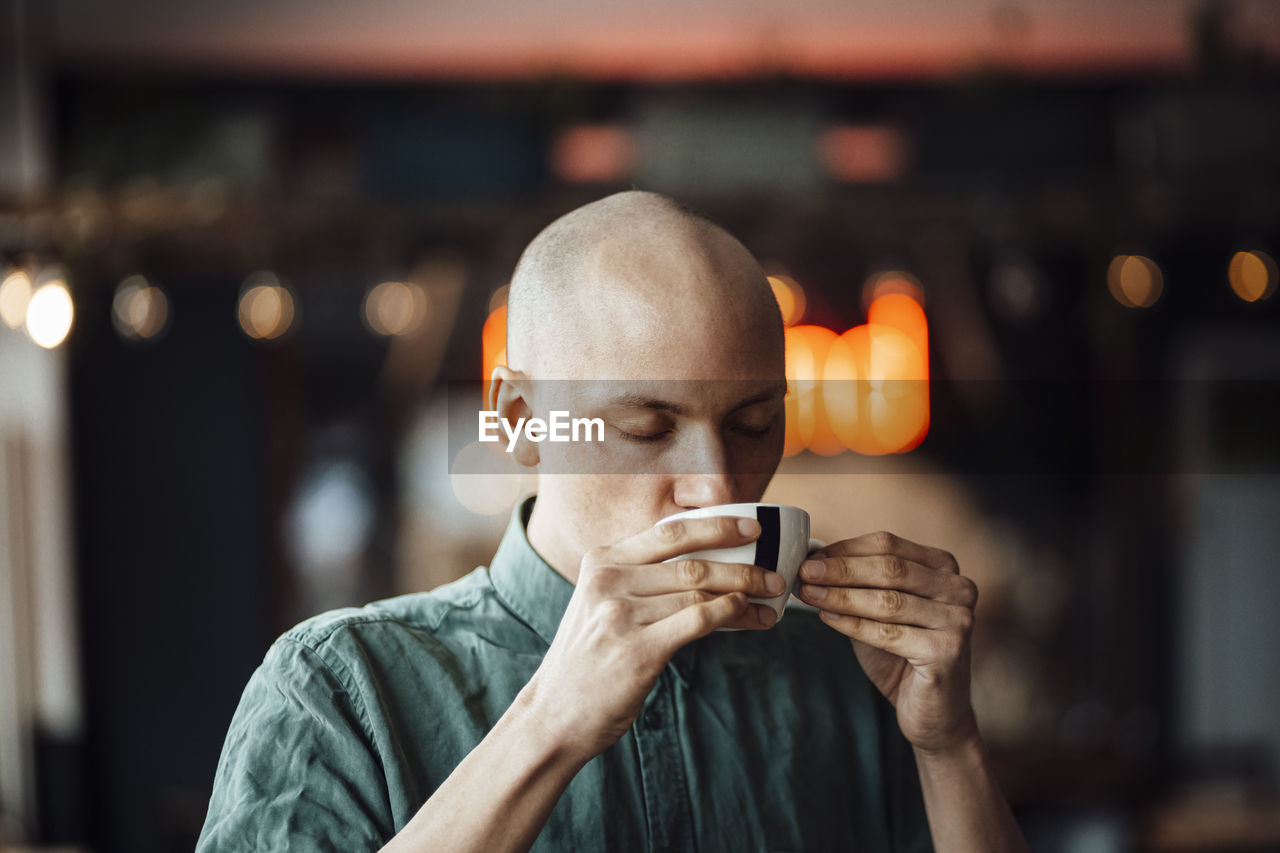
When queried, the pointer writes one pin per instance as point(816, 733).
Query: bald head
point(638, 284)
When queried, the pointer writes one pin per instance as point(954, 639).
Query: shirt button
point(652, 717)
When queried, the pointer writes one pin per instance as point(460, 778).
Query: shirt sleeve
point(298, 770)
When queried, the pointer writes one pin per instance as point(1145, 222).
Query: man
point(573, 695)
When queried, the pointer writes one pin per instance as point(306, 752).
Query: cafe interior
point(254, 261)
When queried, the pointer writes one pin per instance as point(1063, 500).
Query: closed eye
point(643, 438)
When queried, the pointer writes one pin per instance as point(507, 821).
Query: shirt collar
point(537, 594)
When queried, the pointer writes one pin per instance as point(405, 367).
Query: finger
point(918, 646)
point(682, 575)
point(891, 571)
point(884, 542)
point(664, 541)
point(690, 623)
point(654, 608)
point(885, 605)
point(757, 617)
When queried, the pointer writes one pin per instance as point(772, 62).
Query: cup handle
point(816, 545)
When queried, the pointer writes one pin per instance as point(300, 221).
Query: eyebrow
point(640, 401)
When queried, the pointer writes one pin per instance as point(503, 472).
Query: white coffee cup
point(781, 547)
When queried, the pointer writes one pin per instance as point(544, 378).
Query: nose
point(695, 490)
point(704, 478)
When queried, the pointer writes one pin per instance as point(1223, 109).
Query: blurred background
point(247, 247)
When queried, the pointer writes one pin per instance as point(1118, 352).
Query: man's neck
point(549, 547)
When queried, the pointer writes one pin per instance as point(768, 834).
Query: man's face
point(693, 414)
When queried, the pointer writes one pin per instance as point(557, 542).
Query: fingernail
point(774, 582)
point(767, 616)
point(748, 526)
point(814, 593)
point(813, 569)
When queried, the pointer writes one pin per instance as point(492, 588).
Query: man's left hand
point(909, 614)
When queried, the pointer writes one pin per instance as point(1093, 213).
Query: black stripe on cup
point(770, 537)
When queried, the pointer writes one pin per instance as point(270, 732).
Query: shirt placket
point(666, 788)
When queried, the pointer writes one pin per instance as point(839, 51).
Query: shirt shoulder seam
point(314, 637)
point(344, 679)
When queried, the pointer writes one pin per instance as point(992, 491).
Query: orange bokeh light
point(790, 296)
point(594, 153)
point(806, 355)
point(899, 311)
point(493, 345)
point(1252, 275)
point(875, 380)
point(891, 281)
point(864, 153)
point(1135, 281)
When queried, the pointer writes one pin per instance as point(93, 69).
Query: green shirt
point(751, 740)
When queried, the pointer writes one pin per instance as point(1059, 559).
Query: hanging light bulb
point(266, 306)
point(50, 311)
point(139, 309)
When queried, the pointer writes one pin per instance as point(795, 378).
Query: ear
point(509, 397)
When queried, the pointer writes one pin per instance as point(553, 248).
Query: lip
point(732, 506)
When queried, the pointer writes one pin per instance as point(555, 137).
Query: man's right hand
point(629, 614)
